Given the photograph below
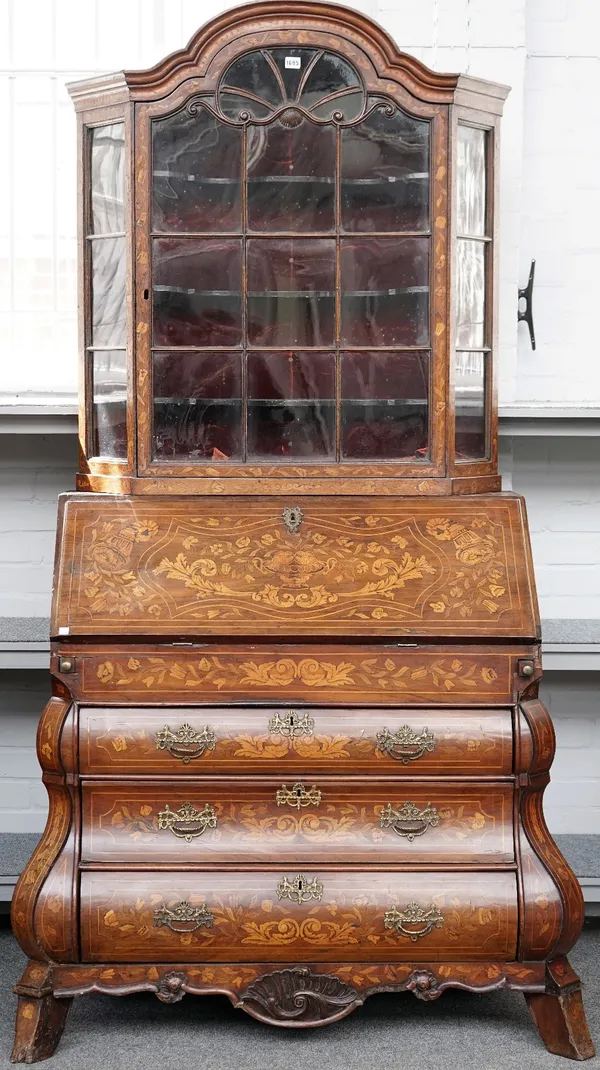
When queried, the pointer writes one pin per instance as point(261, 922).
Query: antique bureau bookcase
point(294, 750)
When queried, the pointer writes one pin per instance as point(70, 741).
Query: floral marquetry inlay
point(345, 570)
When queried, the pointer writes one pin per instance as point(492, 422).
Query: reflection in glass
point(384, 406)
point(385, 291)
point(196, 173)
point(109, 406)
point(291, 177)
point(471, 181)
point(197, 291)
point(260, 83)
point(470, 374)
point(291, 291)
point(470, 294)
point(108, 292)
point(291, 405)
point(107, 178)
point(197, 406)
point(385, 174)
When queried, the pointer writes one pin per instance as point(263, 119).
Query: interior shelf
point(397, 291)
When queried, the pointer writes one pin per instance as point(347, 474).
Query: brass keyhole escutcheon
point(298, 796)
point(292, 724)
point(299, 889)
point(292, 517)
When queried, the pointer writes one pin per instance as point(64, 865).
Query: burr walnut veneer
point(294, 751)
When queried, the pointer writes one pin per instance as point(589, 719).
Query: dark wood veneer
point(365, 631)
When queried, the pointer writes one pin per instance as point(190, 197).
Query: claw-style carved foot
point(559, 1013)
point(40, 1016)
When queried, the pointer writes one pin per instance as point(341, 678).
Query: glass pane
point(291, 177)
point(109, 409)
point(262, 82)
point(291, 292)
point(330, 74)
point(384, 407)
point(108, 292)
point(470, 294)
point(107, 178)
point(196, 168)
point(385, 174)
point(471, 181)
point(291, 405)
point(197, 291)
point(470, 374)
point(385, 291)
point(197, 406)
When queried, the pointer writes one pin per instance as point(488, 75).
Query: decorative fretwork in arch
point(289, 84)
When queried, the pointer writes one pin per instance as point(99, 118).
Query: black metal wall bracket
point(527, 313)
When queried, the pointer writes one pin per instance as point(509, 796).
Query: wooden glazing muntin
point(250, 922)
point(121, 741)
point(355, 820)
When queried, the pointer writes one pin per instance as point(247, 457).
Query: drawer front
point(303, 821)
point(315, 566)
point(283, 915)
point(348, 675)
point(254, 740)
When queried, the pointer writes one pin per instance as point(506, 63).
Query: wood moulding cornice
point(252, 18)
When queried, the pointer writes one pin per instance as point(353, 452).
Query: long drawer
point(254, 740)
point(285, 915)
point(311, 820)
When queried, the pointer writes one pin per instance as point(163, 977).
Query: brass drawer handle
point(292, 724)
point(298, 796)
point(405, 744)
point(413, 915)
point(187, 822)
point(299, 889)
point(185, 742)
point(409, 821)
point(183, 917)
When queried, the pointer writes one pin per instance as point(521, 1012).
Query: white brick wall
point(559, 205)
point(560, 478)
point(33, 471)
point(23, 799)
point(572, 800)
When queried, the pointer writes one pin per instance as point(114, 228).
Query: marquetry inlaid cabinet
point(294, 750)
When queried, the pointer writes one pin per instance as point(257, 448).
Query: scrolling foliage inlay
point(142, 562)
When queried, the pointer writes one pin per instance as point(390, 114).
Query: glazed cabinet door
point(291, 289)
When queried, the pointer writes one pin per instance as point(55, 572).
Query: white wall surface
point(548, 51)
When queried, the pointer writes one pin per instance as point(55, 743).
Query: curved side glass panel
point(106, 352)
point(472, 342)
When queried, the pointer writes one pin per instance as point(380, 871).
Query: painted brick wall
point(33, 471)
